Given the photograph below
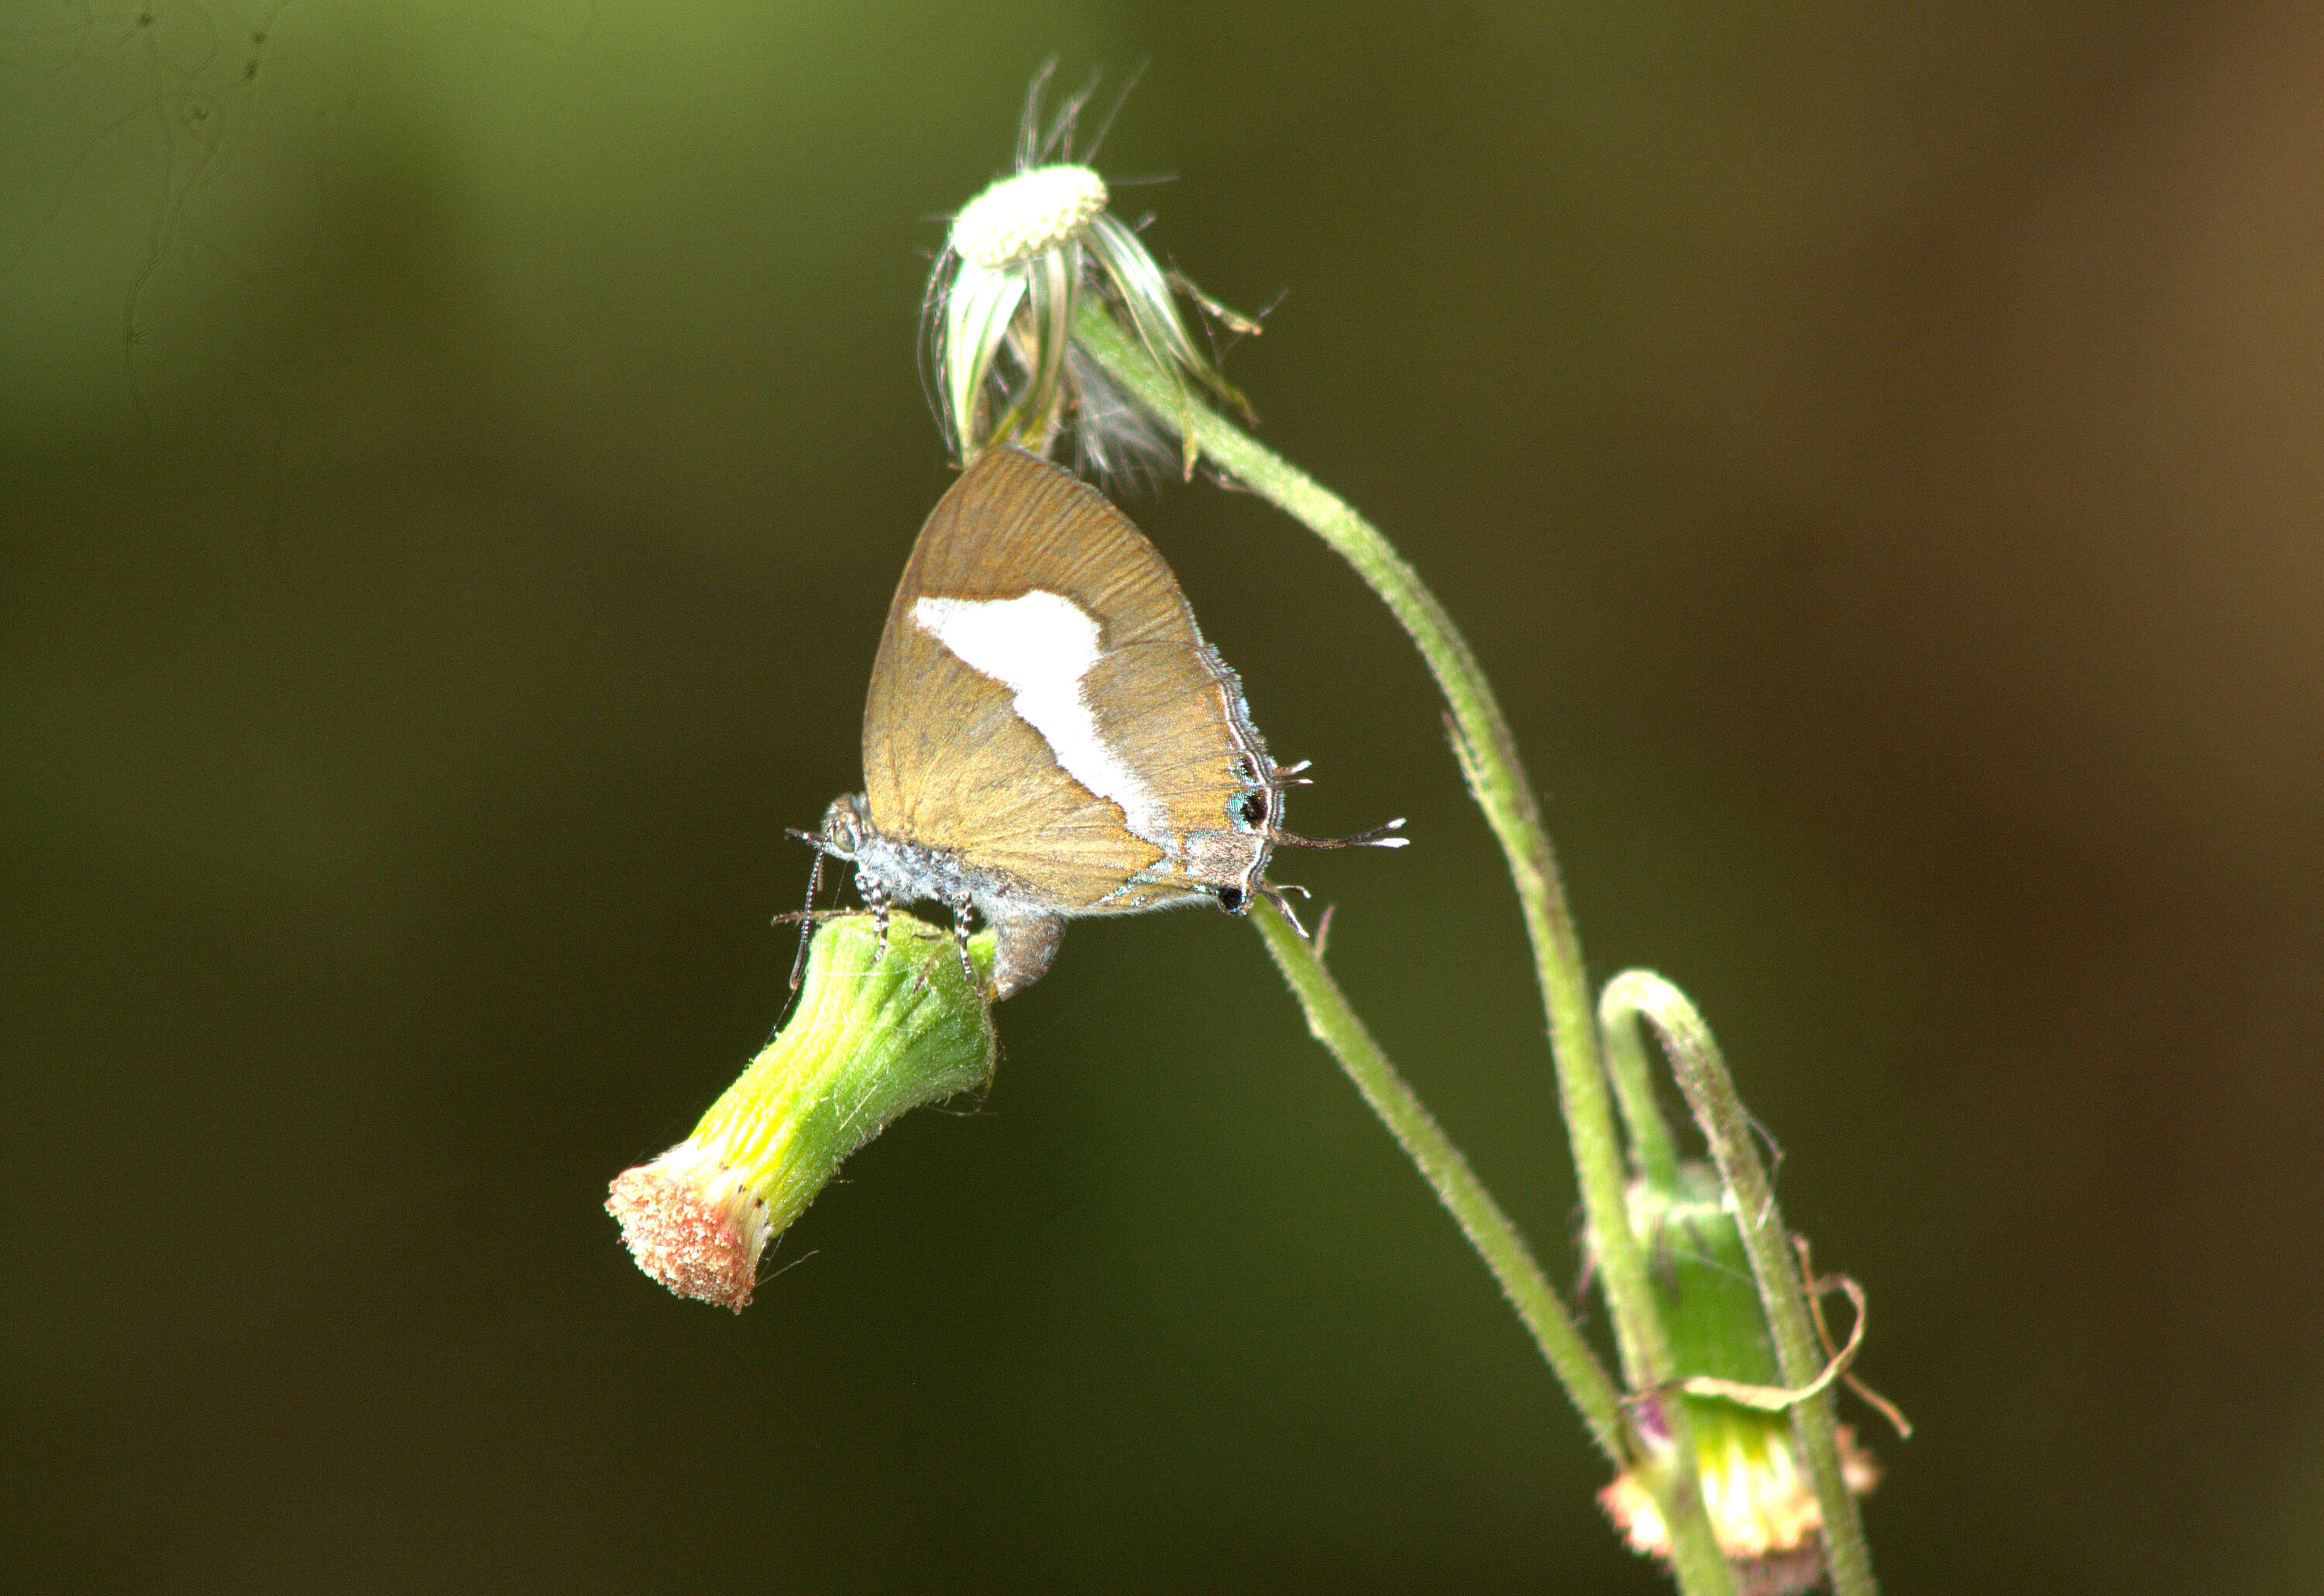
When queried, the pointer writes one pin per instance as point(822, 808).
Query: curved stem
point(1654, 1154)
point(1489, 759)
point(1332, 1022)
point(1710, 1092)
point(1497, 779)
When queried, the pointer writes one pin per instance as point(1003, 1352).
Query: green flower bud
point(874, 1033)
point(1760, 1498)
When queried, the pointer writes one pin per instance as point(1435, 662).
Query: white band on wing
point(1041, 647)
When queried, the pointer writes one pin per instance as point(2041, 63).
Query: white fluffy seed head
point(1022, 217)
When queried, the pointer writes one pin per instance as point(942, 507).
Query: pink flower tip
point(693, 1224)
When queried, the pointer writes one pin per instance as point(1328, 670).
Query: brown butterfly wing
point(947, 761)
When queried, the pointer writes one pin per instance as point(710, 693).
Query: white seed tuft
point(1022, 217)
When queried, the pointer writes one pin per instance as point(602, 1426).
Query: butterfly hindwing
point(1044, 705)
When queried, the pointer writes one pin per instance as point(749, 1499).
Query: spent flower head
point(1760, 1499)
point(1021, 260)
point(879, 1028)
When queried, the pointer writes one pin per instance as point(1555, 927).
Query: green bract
point(874, 1033)
point(1761, 1501)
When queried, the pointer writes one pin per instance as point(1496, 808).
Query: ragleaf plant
point(881, 1025)
point(1042, 298)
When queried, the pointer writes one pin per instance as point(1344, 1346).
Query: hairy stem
point(1332, 1022)
point(1496, 776)
point(1653, 1156)
point(1497, 779)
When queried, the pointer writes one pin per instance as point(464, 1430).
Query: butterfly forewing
point(1097, 779)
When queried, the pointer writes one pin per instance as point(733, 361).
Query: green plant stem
point(1332, 1022)
point(1489, 759)
point(1701, 1568)
point(1654, 1154)
point(1711, 1094)
point(1497, 779)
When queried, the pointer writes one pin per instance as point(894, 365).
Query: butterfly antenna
point(806, 917)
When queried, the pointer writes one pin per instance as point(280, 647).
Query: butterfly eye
point(1231, 899)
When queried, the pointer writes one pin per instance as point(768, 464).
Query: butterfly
point(1048, 733)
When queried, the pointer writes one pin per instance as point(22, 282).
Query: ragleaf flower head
point(1022, 260)
point(1759, 1498)
point(878, 1028)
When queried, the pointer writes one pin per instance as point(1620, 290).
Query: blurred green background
point(453, 461)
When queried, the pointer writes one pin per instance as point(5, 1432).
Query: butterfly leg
point(959, 912)
point(878, 899)
point(1273, 893)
